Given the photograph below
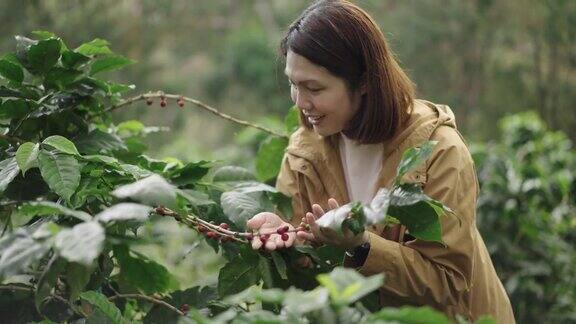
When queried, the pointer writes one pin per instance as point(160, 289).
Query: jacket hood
point(425, 118)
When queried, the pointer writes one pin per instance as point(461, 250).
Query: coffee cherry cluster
point(164, 101)
point(211, 234)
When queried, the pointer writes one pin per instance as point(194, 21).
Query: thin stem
point(12, 139)
point(192, 220)
point(31, 290)
point(196, 103)
point(150, 299)
point(21, 288)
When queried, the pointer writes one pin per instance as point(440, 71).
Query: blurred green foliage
point(527, 216)
point(484, 58)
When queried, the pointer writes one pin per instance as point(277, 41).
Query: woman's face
point(322, 97)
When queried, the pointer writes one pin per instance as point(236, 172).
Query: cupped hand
point(265, 225)
point(347, 240)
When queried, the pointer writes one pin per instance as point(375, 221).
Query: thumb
point(257, 221)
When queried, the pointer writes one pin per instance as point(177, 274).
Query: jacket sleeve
point(428, 273)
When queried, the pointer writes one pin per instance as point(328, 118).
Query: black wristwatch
point(359, 254)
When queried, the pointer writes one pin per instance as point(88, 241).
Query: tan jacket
point(458, 278)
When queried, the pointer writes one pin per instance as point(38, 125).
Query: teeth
point(314, 119)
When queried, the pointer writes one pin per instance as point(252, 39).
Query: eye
point(315, 90)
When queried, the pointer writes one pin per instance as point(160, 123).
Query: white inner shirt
point(361, 164)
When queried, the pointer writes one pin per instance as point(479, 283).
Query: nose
point(301, 100)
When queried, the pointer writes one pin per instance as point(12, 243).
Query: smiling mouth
point(315, 120)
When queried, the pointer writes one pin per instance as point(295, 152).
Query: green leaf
point(44, 54)
point(282, 203)
point(98, 141)
point(130, 128)
point(110, 63)
point(335, 218)
point(419, 213)
point(48, 280)
point(135, 171)
point(256, 294)
point(97, 46)
point(357, 220)
point(232, 174)
point(77, 277)
point(47, 208)
point(152, 191)
point(302, 302)
point(72, 59)
point(239, 207)
point(292, 120)
point(413, 157)
point(280, 264)
point(43, 34)
point(61, 172)
point(62, 144)
point(82, 244)
point(8, 171)
point(18, 250)
point(102, 303)
point(409, 315)
point(101, 158)
point(377, 211)
point(125, 212)
point(60, 78)
point(14, 108)
point(236, 276)
point(190, 173)
point(196, 198)
point(11, 71)
point(195, 297)
point(142, 273)
point(269, 157)
point(346, 286)
point(26, 156)
point(265, 269)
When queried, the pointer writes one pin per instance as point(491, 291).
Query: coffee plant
point(75, 188)
point(527, 215)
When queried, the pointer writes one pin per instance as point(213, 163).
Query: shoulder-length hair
point(345, 40)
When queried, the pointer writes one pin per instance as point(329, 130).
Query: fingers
point(257, 221)
point(332, 203)
point(270, 245)
point(305, 235)
point(256, 243)
point(314, 228)
point(317, 211)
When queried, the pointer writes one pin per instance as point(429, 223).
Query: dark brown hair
point(345, 40)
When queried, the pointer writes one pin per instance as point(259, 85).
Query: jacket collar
point(424, 119)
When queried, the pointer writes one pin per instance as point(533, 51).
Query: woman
point(359, 114)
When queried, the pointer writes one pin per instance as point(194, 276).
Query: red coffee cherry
point(283, 230)
point(212, 235)
point(185, 308)
point(285, 237)
point(149, 102)
point(163, 103)
point(250, 237)
point(226, 239)
point(264, 238)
